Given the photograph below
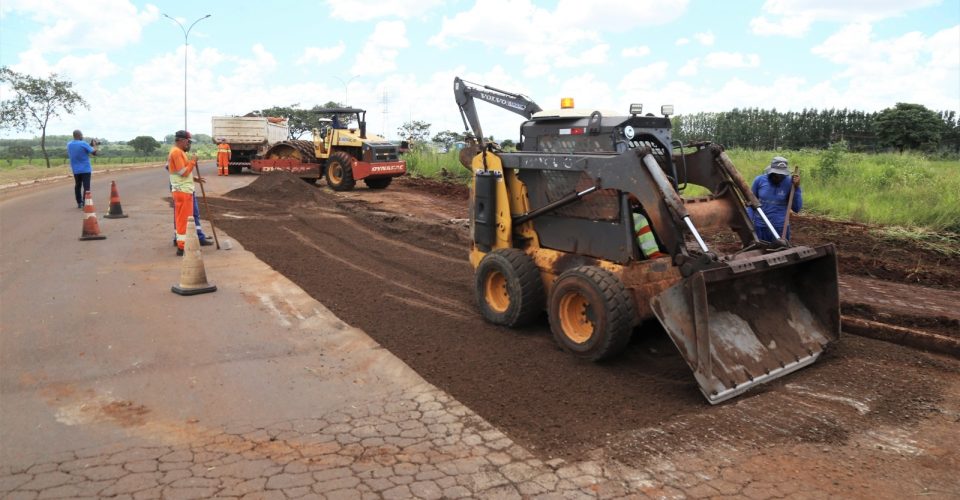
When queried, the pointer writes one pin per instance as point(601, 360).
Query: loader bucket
point(754, 320)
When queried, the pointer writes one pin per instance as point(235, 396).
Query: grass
point(425, 163)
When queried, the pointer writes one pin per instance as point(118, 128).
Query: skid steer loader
point(555, 224)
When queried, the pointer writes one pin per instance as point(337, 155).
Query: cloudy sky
point(398, 58)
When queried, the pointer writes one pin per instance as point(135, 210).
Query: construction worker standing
point(223, 157)
point(182, 184)
point(773, 191)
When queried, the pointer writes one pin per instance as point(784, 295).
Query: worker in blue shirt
point(79, 153)
point(773, 191)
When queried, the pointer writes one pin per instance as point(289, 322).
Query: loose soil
point(393, 263)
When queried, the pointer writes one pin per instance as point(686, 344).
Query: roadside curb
point(44, 180)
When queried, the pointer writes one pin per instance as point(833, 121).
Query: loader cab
point(604, 222)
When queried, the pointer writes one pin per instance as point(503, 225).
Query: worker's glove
point(796, 180)
point(201, 180)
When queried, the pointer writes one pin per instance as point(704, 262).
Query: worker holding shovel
point(777, 199)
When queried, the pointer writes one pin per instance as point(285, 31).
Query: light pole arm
point(186, 36)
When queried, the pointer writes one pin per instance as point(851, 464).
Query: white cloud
point(640, 51)
point(379, 53)
point(615, 15)
point(690, 68)
point(643, 79)
point(788, 26)
point(724, 60)
point(366, 10)
point(100, 25)
point(321, 55)
point(794, 17)
point(594, 55)
point(908, 68)
point(705, 38)
point(681, 42)
point(560, 32)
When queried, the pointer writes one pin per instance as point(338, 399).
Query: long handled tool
point(786, 220)
point(206, 207)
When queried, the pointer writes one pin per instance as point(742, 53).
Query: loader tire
point(379, 183)
point(591, 313)
point(509, 288)
point(339, 171)
point(234, 169)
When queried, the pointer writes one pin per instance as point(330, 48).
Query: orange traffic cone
point(116, 211)
point(91, 229)
point(193, 277)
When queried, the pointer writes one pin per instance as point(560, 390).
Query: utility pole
point(186, 35)
point(386, 111)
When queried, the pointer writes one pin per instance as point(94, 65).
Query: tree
point(144, 144)
point(15, 151)
point(300, 121)
point(448, 138)
point(415, 131)
point(908, 126)
point(35, 101)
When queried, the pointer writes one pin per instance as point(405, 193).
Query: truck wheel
point(591, 313)
point(509, 288)
point(235, 169)
point(380, 183)
point(340, 171)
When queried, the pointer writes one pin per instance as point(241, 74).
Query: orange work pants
point(182, 208)
point(223, 164)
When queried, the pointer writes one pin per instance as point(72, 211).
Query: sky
point(398, 58)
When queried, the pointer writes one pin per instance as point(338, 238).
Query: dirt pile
point(279, 185)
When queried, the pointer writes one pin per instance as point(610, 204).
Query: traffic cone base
point(91, 229)
point(193, 277)
point(116, 210)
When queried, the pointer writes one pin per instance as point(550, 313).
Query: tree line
point(903, 127)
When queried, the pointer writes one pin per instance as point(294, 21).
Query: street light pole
point(346, 86)
point(186, 35)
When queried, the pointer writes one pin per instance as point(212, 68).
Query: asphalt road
point(95, 349)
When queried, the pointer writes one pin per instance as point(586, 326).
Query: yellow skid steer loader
point(587, 221)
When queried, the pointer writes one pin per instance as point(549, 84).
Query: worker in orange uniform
point(182, 184)
point(223, 157)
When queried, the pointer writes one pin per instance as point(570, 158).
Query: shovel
point(786, 220)
point(206, 207)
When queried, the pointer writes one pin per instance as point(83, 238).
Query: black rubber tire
point(606, 305)
point(522, 298)
point(235, 169)
point(342, 163)
point(378, 183)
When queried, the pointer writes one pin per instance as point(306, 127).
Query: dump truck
point(342, 152)
point(249, 136)
point(554, 228)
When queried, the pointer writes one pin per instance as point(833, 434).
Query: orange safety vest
point(223, 154)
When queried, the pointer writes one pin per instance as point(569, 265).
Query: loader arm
point(466, 92)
